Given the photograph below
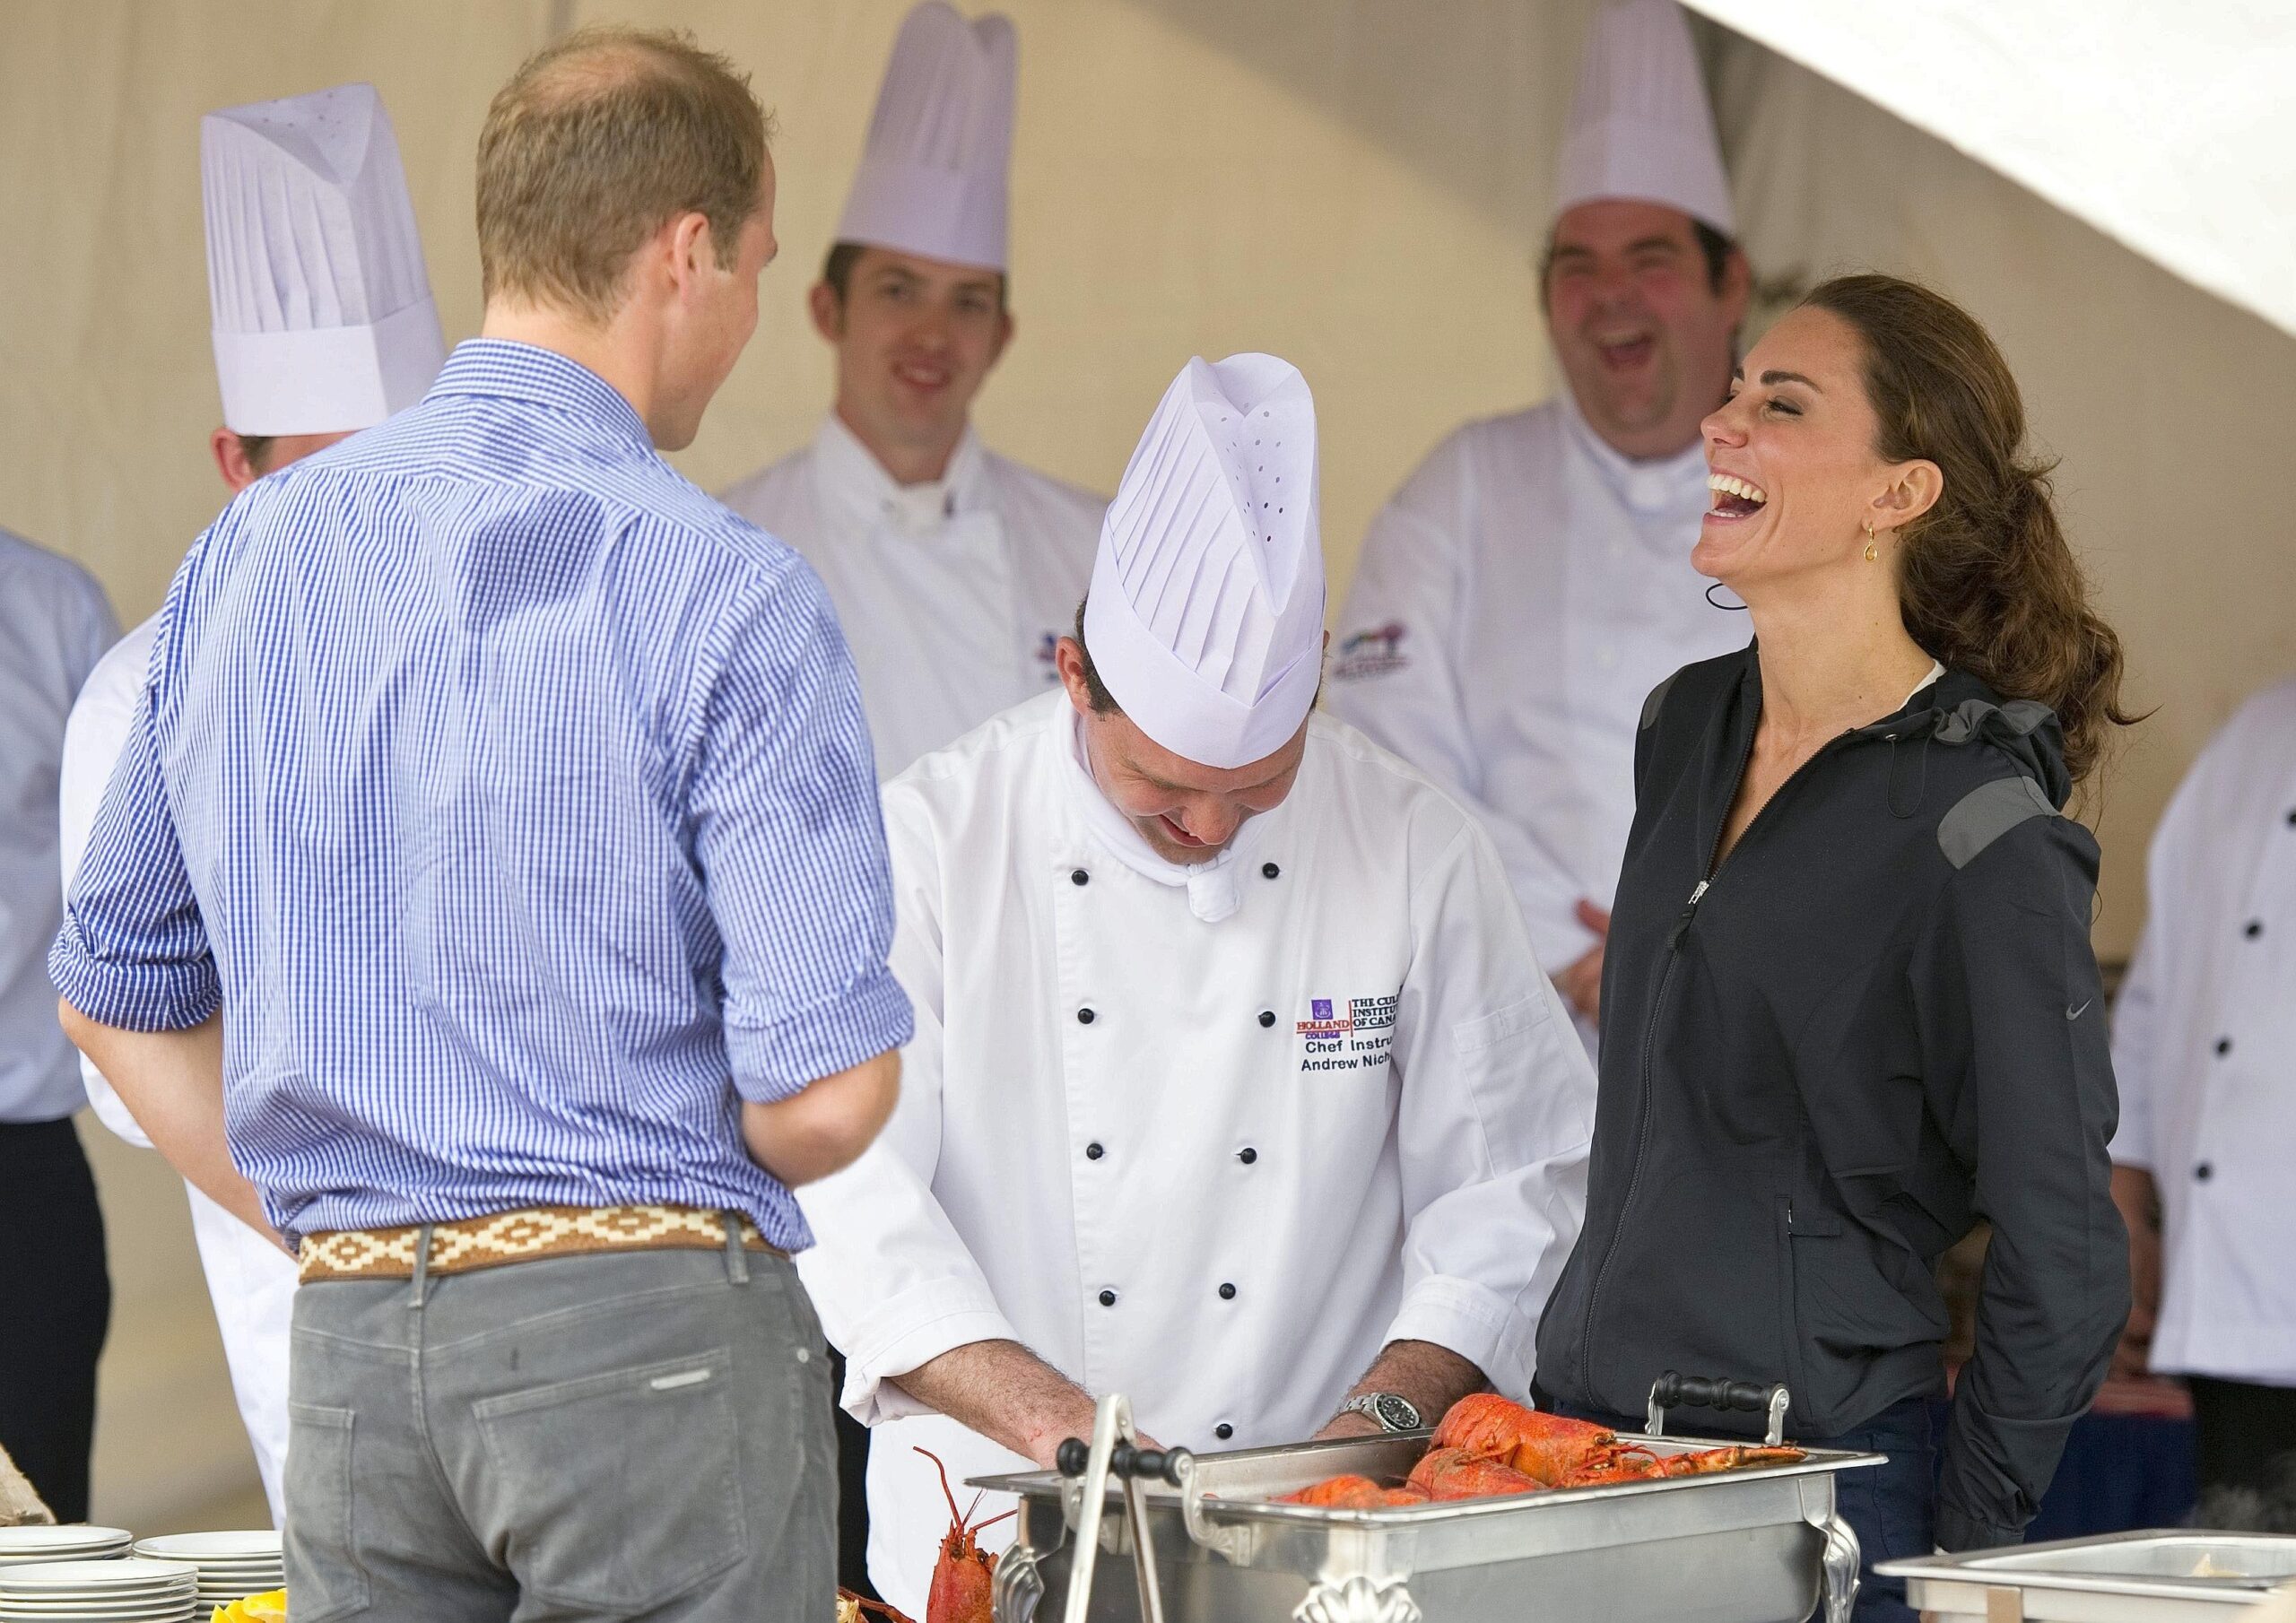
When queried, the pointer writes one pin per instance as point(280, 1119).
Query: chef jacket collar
point(1646, 488)
point(854, 484)
point(1213, 892)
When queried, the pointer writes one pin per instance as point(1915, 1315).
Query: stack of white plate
point(122, 1590)
point(78, 1542)
point(229, 1564)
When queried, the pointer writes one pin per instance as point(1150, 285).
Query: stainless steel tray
point(1758, 1545)
point(2129, 1577)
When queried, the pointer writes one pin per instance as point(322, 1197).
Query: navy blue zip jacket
point(1875, 1023)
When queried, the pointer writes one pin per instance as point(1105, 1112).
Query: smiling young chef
point(1531, 583)
point(952, 568)
point(1234, 1076)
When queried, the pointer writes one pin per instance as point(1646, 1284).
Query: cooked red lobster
point(1487, 1446)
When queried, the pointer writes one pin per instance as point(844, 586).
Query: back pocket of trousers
point(626, 1485)
point(322, 1552)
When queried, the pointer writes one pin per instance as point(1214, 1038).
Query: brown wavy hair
point(1987, 582)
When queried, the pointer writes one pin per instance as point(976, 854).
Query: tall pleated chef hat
point(1640, 126)
point(1206, 617)
point(932, 180)
point(322, 307)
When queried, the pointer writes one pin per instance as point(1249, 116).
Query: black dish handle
point(1673, 1391)
point(1148, 1464)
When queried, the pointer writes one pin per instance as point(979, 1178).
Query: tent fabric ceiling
point(2169, 129)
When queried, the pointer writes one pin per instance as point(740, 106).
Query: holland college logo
point(1346, 1036)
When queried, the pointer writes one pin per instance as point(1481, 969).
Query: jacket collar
point(1662, 487)
point(855, 488)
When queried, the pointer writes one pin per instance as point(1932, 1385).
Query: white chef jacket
point(1354, 1099)
point(2204, 1051)
point(54, 624)
point(1514, 605)
point(953, 594)
point(250, 1280)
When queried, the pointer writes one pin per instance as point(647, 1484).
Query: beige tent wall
point(1356, 183)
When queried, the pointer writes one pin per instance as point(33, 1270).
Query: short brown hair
point(596, 142)
point(1987, 582)
point(836, 270)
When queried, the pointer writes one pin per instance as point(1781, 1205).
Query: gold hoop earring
point(1873, 554)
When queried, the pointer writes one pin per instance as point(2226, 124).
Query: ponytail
point(1987, 582)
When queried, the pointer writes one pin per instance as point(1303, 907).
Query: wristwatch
point(1391, 1410)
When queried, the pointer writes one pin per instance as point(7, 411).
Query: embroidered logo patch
point(1375, 652)
point(1346, 1034)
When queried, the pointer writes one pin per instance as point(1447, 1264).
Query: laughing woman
point(1850, 1007)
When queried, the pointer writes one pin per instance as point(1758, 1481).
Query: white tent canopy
point(2168, 127)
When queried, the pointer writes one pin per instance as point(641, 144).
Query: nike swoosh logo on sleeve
point(2072, 1013)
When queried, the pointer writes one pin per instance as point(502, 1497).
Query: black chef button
point(1083, 1017)
point(1092, 1152)
point(2223, 1044)
point(2291, 820)
point(1268, 1016)
point(1270, 871)
point(1077, 876)
point(1247, 1155)
point(1223, 1431)
point(1227, 1293)
point(1108, 1298)
point(2255, 929)
point(2203, 1172)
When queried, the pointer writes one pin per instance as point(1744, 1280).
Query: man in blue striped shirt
point(491, 899)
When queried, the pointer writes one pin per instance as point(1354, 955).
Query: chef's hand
point(1582, 983)
point(2135, 1193)
point(1349, 1426)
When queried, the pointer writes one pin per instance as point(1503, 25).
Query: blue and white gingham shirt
point(512, 800)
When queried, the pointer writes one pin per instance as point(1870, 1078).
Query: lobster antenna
point(946, 1494)
point(993, 1521)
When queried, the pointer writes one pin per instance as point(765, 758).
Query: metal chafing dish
point(1755, 1546)
point(2129, 1577)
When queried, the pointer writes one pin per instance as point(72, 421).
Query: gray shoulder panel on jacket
point(1656, 702)
point(1986, 813)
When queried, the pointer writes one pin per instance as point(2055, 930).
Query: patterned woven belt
point(525, 1236)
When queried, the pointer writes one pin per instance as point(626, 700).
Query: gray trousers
point(633, 1434)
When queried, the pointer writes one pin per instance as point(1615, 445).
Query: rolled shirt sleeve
point(133, 952)
point(895, 1284)
point(791, 848)
point(1495, 1119)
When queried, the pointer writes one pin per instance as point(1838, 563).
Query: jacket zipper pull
point(1689, 912)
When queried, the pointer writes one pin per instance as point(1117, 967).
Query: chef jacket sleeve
point(790, 844)
point(2020, 1075)
point(1496, 1110)
point(1394, 678)
point(894, 1281)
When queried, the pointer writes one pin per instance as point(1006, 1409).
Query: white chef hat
point(1640, 126)
point(1206, 619)
point(931, 177)
point(321, 304)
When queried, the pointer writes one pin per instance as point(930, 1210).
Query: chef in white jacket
point(323, 324)
point(1531, 584)
point(2203, 1032)
point(953, 569)
point(1235, 1088)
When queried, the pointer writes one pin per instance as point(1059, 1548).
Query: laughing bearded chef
point(323, 325)
point(953, 569)
point(1531, 584)
point(1236, 1087)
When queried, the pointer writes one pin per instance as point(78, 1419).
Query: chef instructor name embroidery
point(1352, 1040)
